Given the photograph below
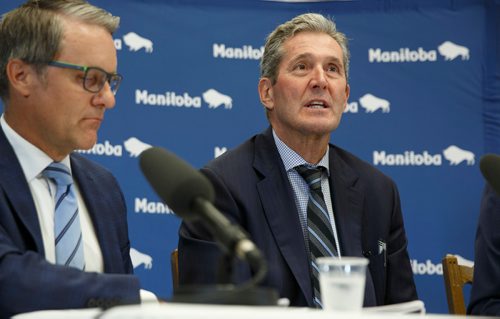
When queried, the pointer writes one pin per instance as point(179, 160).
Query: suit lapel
point(280, 209)
point(348, 205)
point(15, 187)
point(92, 194)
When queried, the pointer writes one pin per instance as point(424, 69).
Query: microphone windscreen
point(176, 182)
point(490, 168)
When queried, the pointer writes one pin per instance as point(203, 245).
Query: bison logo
point(451, 51)
point(456, 155)
point(139, 258)
point(135, 42)
point(215, 99)
point(135, 147)
point(371, 103)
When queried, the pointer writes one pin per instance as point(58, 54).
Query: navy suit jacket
point(253, 190)
point(485, 292)
point(27, 281)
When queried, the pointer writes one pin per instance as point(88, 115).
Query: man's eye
point(333, 68)
point(92, 79)
point(300, 66)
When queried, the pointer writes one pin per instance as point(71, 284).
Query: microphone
point(191, 195)
point(490, 168)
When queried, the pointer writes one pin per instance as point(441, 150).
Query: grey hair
point(33, 32)
point(308, 22)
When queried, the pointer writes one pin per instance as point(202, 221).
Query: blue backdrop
point(424, 107)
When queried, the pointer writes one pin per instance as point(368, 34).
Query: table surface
point(197, 311)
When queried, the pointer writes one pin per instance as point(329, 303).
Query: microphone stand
point(226, 293)
point(246, 293)
point(225, 269)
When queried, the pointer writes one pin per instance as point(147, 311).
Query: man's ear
point(21, 76)
point(347, 93)
point(266, 93)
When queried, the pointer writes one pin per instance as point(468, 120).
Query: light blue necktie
point(67, 230)
point(321, 240)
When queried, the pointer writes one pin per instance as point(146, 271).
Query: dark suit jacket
point(253, 190)
point(27, 281)
point(485, 292)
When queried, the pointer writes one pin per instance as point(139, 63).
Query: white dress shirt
point(33, 161)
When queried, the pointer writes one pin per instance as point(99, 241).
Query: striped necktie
point(321, 240)
point(67, 231)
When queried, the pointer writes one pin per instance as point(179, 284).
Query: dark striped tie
point(67, 231)
point(321, 241)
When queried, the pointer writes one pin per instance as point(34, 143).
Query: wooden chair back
point(174, 263)
point(456, 276)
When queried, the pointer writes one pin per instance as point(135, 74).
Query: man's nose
point(318, 79)
point(105, 98)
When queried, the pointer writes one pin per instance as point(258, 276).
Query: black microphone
point(190, 195)
point(490, 168)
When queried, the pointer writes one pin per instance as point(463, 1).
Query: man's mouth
point(317, 105)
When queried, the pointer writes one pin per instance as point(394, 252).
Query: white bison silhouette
point(215, 99)
point(451, 51)
point(139, 258)
point(371, 103)
point(135, 147)
point(135, 42)
point(456, 155)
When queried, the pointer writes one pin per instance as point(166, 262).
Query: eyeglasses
point(94, 78)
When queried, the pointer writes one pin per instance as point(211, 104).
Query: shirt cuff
point(148, 297)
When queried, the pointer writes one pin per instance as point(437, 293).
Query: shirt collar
point(291, 159)
point(33, 160)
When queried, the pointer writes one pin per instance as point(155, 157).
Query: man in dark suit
point(57, 78)
point(485, 292)
point(259, 186)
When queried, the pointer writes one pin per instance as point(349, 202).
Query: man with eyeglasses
point(57, 78)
